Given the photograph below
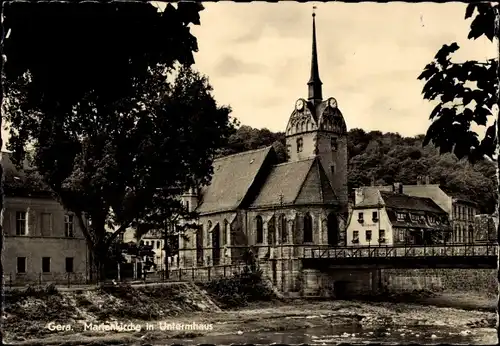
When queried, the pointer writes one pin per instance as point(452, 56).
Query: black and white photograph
point(229, 173)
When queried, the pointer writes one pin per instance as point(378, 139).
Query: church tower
point(316, 128)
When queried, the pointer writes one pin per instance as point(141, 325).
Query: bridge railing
point(441, 250)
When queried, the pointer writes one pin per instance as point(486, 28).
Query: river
point(353, 334)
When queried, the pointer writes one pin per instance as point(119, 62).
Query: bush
point(240, 289)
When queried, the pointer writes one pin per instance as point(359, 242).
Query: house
point(43, 241)
point(252, 200)
point(382, 217)
point(485, 229)
point(460, 209)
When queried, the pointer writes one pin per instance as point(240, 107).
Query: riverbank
point(276, 315)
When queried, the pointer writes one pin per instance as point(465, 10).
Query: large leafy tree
point(110, 121)
point(466, 93)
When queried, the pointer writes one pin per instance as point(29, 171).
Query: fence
point(39, 279)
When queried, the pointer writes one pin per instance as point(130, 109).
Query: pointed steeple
point(314, 84)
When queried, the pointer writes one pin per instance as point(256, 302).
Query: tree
point(109, 129)
point(466, 92)
point(170, 219)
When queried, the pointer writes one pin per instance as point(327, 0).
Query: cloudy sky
point(257, 56)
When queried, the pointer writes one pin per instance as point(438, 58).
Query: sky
point(257, 56)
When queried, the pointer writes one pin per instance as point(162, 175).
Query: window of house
point(21, 264)
point(69, 264)
point(46, 264)
point(308, 232)
point(334, 143)
point(381, 235)
point(259, 225)
point(69, 227)
point(46, 224)
point(355, 236)
point(400, 216)
point(375, 216)
point(187, 205)
point(300, 145)
point(21, 223)
point(368, 235)
point(158, 244)
point(360, 217)
point(414, 218)
point(332, 169)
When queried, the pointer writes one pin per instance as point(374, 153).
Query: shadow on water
point(352, 333)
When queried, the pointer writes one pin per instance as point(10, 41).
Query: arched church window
point(300, 145)
point(334, 143)
point(259, 227)
point(297, 127)
point(308, 232)
point(225, 234)
point(282, 228)
point(333, 229)
point(308, 125)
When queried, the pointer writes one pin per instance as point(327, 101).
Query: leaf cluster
point(466, 92)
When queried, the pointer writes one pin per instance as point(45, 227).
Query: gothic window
point(283, 230)
point(334, 143)
point(259, 226)
point(225, 234)
point(333, 230)
point(300, 145)
point(308, 232)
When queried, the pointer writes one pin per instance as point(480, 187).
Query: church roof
point(233, 177)
point(300, 182)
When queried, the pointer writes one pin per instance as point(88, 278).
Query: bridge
point(481, 255)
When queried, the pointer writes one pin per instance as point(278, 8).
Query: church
point(253, 201)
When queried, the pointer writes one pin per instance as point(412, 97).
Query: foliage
point(386, 158)
point(466, 92)
point(240, 289)
point(248, 138)
point(110, 129)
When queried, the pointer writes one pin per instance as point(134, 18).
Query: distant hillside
point(385, 158)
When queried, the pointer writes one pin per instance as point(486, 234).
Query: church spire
point(314, 84)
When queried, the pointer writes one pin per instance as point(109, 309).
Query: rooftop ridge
point(242, 153)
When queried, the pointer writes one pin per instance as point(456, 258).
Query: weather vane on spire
point(314, 10)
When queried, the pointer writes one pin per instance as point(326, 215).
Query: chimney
point(427, 180)
point(397, 188)
point(358, 195)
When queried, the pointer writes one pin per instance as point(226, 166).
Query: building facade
point(252, 200)
point(43, 242)
point(382, 218)
point(461, 211)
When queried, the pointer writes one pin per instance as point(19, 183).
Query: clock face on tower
point(299, 105)
point(332, 103)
